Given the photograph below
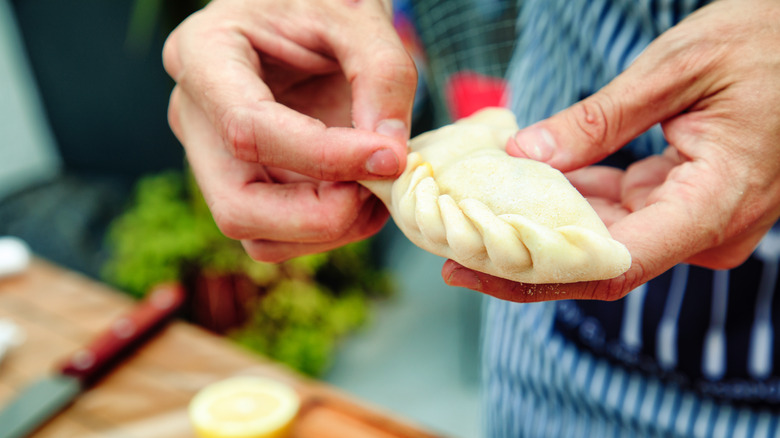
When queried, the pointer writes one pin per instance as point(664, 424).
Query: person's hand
point(279, 105)
point(713, 81)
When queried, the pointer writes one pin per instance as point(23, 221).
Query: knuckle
point(339, 223)
point(170, 56)
point(375, 222)
point(319, 226)
point(403, 72)
point(718, 259)
point(333, 227)
point(175, 44)
point(370, 221)
point(173, 113)
point(598, 118)
point(261, 251)
point(332, 216)
point(239, 134)
point(404, 69)
point(392, 65)
point(617, 288)
point(727, 262)
point(328, 166)
point(228, 221)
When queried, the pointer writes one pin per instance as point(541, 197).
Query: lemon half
point(244, 407)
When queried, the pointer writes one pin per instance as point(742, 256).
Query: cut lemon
point(244, 407)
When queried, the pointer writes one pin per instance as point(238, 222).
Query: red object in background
point(467, 92)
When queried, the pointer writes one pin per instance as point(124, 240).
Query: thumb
point(657, 86)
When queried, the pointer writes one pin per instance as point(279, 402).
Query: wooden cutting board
point(147, 396)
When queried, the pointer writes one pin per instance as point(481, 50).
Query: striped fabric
point(569, 49)
point(690, 354)
point(693, 353)
point(539, 384)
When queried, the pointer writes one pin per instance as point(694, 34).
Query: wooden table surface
point(147, 395)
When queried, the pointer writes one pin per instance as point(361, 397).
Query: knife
point(42, 400)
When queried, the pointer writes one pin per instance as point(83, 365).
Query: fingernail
point(393, 128)
point(383, 162)
point(533, 142)
point(460, 277)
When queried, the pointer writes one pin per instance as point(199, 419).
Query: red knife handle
point(125, 334)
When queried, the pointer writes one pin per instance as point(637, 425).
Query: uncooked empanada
point(463, 197)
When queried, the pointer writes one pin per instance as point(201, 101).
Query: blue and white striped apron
point(691, 354)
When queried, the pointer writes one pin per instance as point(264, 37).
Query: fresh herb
point(297, 311)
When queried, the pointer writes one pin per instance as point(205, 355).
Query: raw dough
point(463, 197)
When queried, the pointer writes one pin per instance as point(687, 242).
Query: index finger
point(220, 70)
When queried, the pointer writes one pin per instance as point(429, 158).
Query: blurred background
point(92, 178)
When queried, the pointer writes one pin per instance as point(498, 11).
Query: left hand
point(266, 94)
point(713, 82)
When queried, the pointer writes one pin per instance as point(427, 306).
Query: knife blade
point(42, 400)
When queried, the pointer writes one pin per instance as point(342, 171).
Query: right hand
point(713, 83)
point(280, 106)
